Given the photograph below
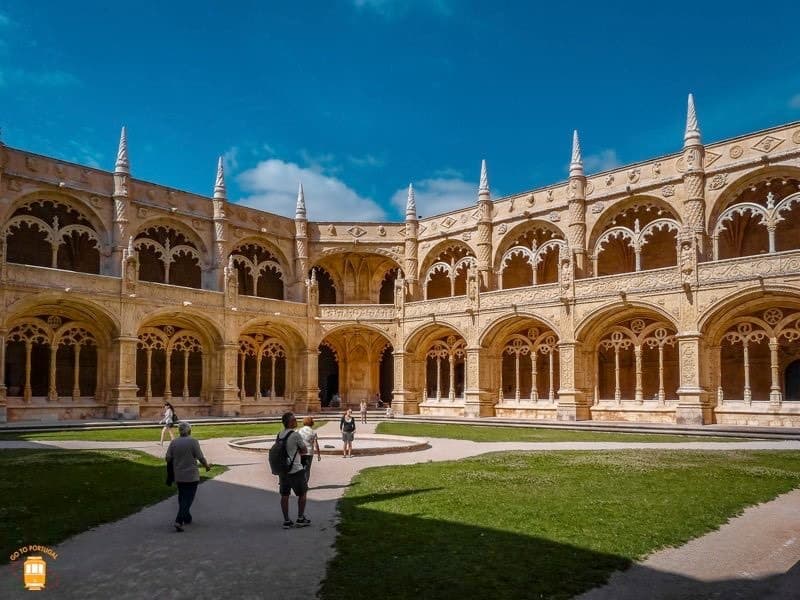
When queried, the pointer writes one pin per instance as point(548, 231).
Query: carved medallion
point(667, 191)
point(796, 136)
point(554, 216)
point(736, 151)
point(767, 143)
point(357, 231)
point(502, 229)
point(448, 222)
point(717, 181)
point(597, 208)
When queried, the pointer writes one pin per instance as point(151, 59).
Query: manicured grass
point(150, 434)
point(488, 433)
point(47, 496)
point(535, 525)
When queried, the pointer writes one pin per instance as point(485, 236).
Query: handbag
point(170, 473)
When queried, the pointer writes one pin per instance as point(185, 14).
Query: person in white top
point(363, 409)
point(169, 420)
point(310, 439)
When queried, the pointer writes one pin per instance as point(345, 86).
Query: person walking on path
point(184, 453)
point(347, 426)
point(311, 441)
point(295, 478)
point(363, 408)
point(169, 420)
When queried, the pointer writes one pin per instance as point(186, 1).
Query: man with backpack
point(285, 462)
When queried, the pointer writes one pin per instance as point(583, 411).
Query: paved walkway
point(236, 548)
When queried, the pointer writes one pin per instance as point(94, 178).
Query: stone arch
point(63, 197)
point(751, 340)
point(639, 233)
point(634, 360)
point(56, 357)
point(526, 372)
point(56, 231)
point(357, 275)
point(512, 236)
point(176, 359)
point(170, 252)
point(444, 270)
point(261, 267)
point(358, 351)
point(758, 213)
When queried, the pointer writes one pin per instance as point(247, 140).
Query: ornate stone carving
point(331, 229)
point(597, 208)
point(609, 179)
point(796, 136)
point(357, 231)
point(657, 169)
point(634, 175)
point(502, 228)
point(668, 191)
point(718, 181)
point(381, 231)
point(589, 188)
point(710, 158)
point(767, 143)
point(736, 151)
point(142, 212)
point(554, 216)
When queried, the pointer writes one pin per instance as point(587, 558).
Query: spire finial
point(219, 185)
point(300, 209)
point(692, 135)
point(123, 166)
point(576, 164)
point(411, 203)
point(484, 185)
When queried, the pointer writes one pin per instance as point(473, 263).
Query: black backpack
point(174, 418)
point(279, 462)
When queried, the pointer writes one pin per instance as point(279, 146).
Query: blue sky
point(359, 97)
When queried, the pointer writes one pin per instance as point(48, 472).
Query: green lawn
point(47, 496)
point(536, 525)
point(150, 434)
point(489, 433)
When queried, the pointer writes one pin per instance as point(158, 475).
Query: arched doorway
point(327, 374)
point(353, 363)
point(387, 374)
point(792, 381)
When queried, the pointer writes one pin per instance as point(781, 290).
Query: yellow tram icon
point(34, 573)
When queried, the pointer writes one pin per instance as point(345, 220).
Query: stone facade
point(665, 291)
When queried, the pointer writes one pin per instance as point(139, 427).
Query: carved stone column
point(484, 230)
point(576, 198)
point(411, 256)
point(693, 407)
point(226, 401)
point(300, 246)
point(3, 333)
point(121, 198)
point(572, 404)
point(307, 397)
point(477, 396)
point(694, 208)
point(124, 403)
point(404, 400)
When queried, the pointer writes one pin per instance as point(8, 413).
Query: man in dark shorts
point(295, 481)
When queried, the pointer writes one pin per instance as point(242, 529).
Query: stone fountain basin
point(363, 445)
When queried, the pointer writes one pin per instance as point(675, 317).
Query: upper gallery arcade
point(664, 291)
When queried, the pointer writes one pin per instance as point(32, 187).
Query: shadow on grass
point(48, 495)
point(441, 560)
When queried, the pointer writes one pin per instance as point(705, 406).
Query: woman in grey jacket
point(184, 453)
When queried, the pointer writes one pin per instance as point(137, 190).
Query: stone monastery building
point(665, 291)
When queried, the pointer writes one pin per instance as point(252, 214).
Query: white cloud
point(272, 186)
point(794, 102)
point(438, 195)
point(602, 161)
point(392, 9)
point(368, 160)
point(230, 159)
point(82, 153)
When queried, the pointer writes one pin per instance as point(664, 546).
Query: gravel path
point(237, 549)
